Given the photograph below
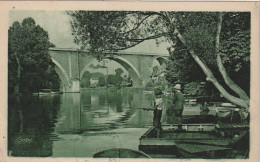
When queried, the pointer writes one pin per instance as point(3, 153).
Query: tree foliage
point(101, 81)
point(119, 71)
point(110, 79)
point(103, 31)
point(85, 81)
point(29, 63)
point(116, 79)
point(203, 43)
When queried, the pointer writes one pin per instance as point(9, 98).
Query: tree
point(119, 71)
point(129, 80)
point(85, 81)
point(199, 34)
point(118, 80)
point(156, 71)
point(29, 63)
point(101, 81)
point(118, 77)
point(111, 79)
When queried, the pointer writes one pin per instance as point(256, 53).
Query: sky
point(57, 24)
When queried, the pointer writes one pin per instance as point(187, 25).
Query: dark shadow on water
point(30, 125)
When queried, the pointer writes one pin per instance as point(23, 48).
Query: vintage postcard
point(116, 81)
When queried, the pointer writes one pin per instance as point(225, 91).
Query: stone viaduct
point(71, 65)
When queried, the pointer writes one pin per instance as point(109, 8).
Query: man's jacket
point(178, 101)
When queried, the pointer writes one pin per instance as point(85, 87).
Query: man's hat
point(177, 86)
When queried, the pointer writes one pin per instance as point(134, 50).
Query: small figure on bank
point(178, 104)
point(204, 109)
point(204, 106)
point(157, 113)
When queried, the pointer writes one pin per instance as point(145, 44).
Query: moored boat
point(147, 91)
point(228, 114)
point(120, 153)
point(200, 140)
point(49, 91)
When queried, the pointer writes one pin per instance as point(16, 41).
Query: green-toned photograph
point(129, 84)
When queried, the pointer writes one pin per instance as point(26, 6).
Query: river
point(82, 124)
point(77, 124)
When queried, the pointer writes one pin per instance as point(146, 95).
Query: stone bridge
point(71, 65)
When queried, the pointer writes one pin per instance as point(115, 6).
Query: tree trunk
point(207, 71)
point(211, 78)
point(17, 86)
point(232, 85)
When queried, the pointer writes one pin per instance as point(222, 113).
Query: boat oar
point(147, 109)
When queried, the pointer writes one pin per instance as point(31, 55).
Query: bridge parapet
point(111, 53)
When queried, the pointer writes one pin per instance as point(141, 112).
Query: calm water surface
point(77, 124)
point(81, 124)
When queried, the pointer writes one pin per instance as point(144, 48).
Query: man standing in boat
point(178, 104)
point(157, 113)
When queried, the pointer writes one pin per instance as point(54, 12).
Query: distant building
point(93, 82)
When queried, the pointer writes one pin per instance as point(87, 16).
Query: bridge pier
point(73, 87)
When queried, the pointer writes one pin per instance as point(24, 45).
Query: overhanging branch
point(137, 41)
point(137, 26)
point(242, 94)
point(147, 38)
point(207, 71)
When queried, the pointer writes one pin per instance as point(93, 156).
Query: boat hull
point(196, 141)
point(120, 153)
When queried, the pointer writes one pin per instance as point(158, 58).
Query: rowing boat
point(49, 91)
point(120, 153)
point(197, 140)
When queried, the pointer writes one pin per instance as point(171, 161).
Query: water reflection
point(104, 109)
point(42, 125)
point(31, 124)
point(35, 123)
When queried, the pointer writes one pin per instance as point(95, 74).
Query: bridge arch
point(132, 71)
point(62, 73)
point(161, 60)
point(82, 72)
